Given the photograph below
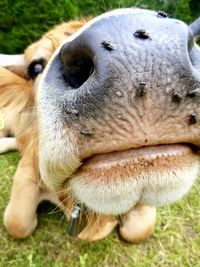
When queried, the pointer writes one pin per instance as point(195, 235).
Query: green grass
point(175, 242)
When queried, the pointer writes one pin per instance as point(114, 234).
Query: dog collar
point(77, 220)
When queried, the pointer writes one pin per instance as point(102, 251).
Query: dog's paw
point(17, 225)
point(138, 224)
point(7, 144)
point(98, 227)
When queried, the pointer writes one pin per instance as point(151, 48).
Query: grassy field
point(175, 242)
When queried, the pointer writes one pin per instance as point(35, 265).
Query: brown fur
point(17, 107)
point(52, 39)
point(17, 103)
point(17, 89)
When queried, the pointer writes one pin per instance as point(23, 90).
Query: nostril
point(78, 66)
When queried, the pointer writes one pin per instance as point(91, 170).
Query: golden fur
point(17, 94)
point(16, 105)
point(17, 89)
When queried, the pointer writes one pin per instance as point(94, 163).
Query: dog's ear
point(15, 63)
point(14, 90)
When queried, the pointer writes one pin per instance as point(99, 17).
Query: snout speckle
point(142, 34)
point(119, 94)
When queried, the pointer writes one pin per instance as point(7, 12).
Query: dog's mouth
point(115, 163)
point(113, 183)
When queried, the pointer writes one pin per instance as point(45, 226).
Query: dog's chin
point(114, 183)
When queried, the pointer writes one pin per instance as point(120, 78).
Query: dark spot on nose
point(193, 118)
point(71, 111)
point(193, 93)
point(142, 90)
point(176, 97)
point(162, 14)
point(107, 45)
point(119, 116)
point(142, 34)
point(87, 132)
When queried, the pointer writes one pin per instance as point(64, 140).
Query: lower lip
point(136, 156)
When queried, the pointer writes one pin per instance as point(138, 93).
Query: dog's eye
point(36, 67)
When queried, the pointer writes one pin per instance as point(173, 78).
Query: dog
point(80, 157)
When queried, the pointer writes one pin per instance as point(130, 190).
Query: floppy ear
point(16, 95)
point(15, 63)
point(14, 90)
